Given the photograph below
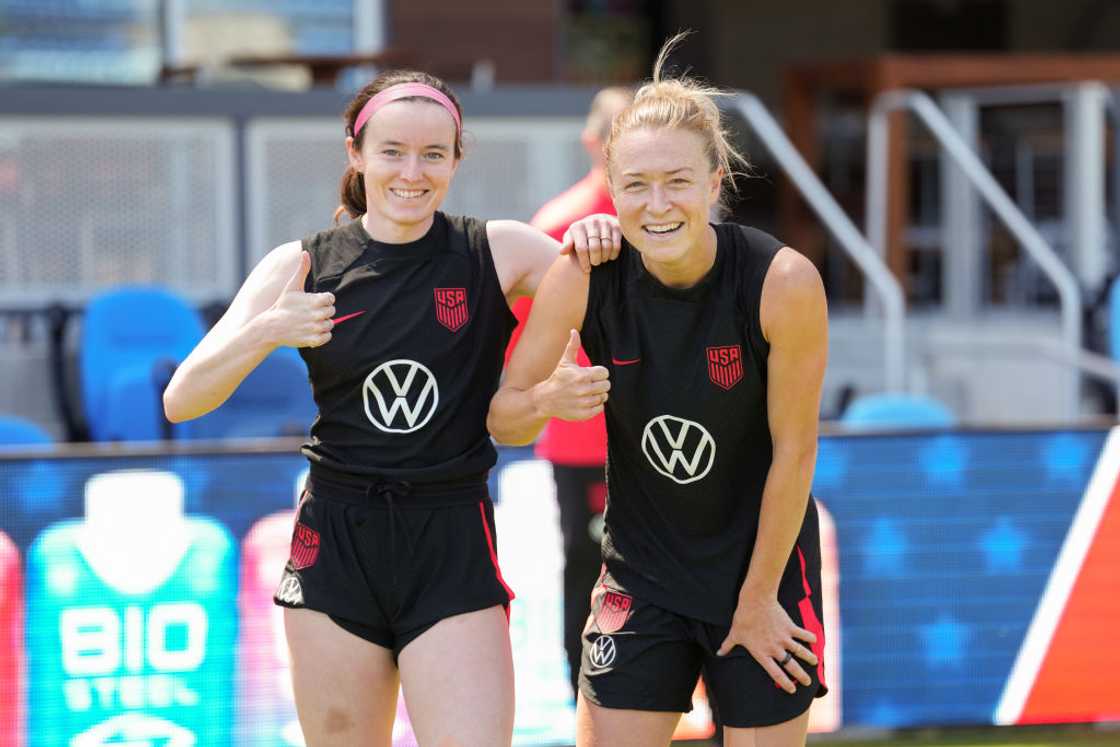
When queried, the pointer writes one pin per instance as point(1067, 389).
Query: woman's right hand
point(594, 239)
point(299, 319)
point(572, 391)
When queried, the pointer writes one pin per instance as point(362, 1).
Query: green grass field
point(995, 737)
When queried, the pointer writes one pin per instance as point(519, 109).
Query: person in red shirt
point(578, 450)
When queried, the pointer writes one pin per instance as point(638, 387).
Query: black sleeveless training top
point(688, 437)
point(404, 384)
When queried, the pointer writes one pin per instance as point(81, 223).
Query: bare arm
point(523, 253)
point(268, 311)
point(537, 387)
point(795, 321)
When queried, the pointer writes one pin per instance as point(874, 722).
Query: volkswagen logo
point(679, 449)
point(400, 396)
point(602, 652)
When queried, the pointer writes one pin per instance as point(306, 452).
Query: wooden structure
point(323, 69)
point(805, 84)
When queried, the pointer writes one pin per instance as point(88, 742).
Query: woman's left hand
point(595, 239)
point(766, 631)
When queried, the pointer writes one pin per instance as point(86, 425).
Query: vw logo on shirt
point(400, 396)
point(679, 449)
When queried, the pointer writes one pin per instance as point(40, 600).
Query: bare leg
point(786, 734)
point(616, 727)
point(458, 681)
point(345, 686)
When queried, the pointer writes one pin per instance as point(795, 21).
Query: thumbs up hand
point(301, 319)
point(573, 392)
point(570, 356)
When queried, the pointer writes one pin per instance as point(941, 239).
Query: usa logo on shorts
point(305, 546)
point(614, 611)
point(451, 307)
point(725, 365)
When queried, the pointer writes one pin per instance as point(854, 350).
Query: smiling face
point(664, 189)
point(407, 159)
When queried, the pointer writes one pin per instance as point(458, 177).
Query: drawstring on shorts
point(387, 491)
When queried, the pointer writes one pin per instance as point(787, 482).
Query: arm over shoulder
point(522, 255)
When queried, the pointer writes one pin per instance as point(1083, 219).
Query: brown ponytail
point(351, 194)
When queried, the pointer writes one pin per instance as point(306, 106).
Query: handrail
point(842, 229)
point(1112, 110)
point(1087, 104)
point(922, 105)
point(1014, 95)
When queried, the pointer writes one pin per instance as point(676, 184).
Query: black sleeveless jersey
point(404, 384)
point(688, 437)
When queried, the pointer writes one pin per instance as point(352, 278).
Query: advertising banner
point(962, 574)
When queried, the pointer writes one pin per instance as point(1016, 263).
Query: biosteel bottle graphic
point(131, 621)
point(11, 645)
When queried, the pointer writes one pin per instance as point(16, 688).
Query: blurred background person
point(577, 450)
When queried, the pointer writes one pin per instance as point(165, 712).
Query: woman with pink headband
point(402, 316)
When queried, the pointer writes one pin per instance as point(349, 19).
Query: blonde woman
point(709, 343)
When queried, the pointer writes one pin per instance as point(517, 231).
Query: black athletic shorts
point(387, 560)
point(639, 656)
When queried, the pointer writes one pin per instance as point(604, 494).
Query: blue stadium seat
point(130, 340)
point(16, 433)
point(134, 404)
point(34, 485)
point(274, 400)
point(1114, 320)
point(888, 411)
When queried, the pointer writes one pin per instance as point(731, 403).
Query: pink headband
point(404, 91)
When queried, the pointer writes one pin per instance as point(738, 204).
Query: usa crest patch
point(614, 610)
point(725, 365)
point(305, 546)
point(451, 307)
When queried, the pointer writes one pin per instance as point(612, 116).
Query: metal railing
point(838, 223)
point(966, 160)
point(1088, 110)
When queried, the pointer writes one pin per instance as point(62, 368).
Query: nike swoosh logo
point(341, 319)
point(630, 362)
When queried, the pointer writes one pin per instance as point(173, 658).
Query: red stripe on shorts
point(810, 621)
point(494, 555)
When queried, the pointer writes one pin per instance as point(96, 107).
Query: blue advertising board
point(943, 605)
